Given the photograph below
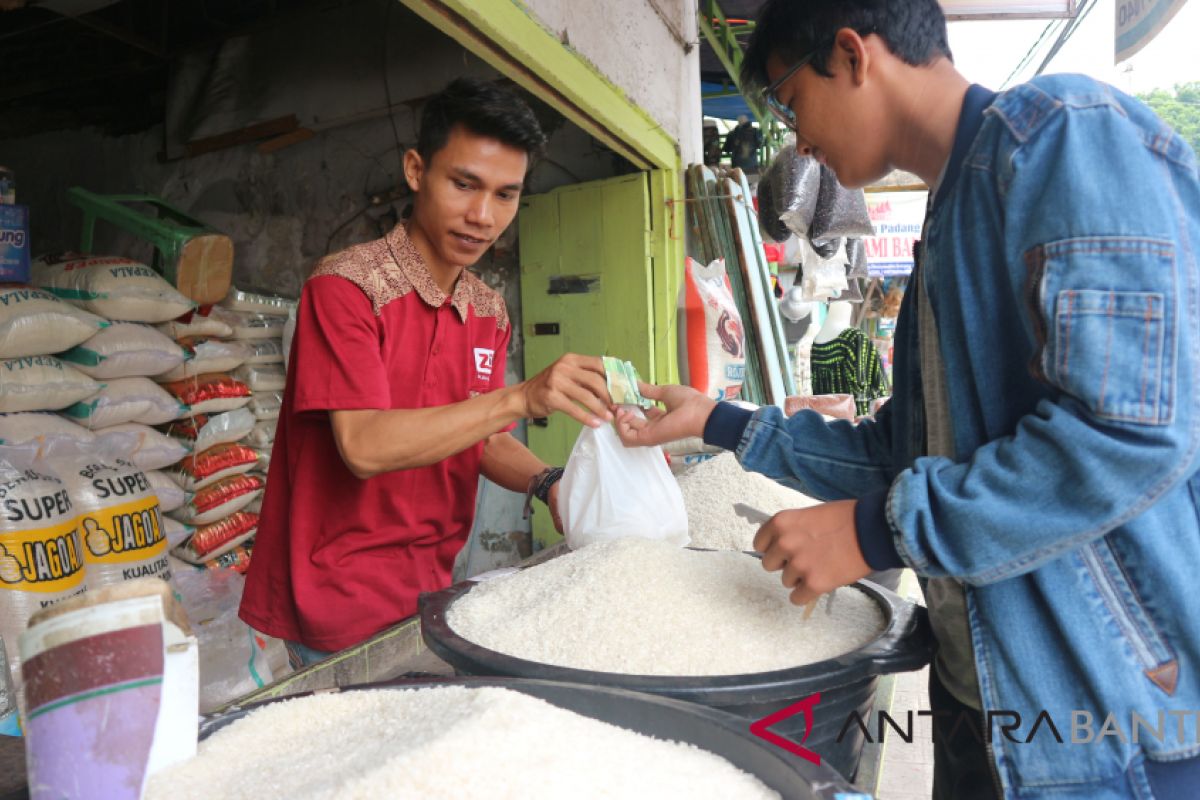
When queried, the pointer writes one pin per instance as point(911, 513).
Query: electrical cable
point(1024, 62)
point(1066, 34)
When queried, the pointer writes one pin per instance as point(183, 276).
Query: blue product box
point(14, 243)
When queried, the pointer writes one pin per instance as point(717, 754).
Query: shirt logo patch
point(483, 363)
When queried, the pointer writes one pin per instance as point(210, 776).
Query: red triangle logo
point(760, 727)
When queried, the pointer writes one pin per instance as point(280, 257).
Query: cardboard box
point(14, 243)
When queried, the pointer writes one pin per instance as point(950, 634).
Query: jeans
point(301, 656)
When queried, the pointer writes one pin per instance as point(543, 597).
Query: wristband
point(539, 487)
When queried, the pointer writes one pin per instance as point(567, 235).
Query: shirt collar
point(412, 265)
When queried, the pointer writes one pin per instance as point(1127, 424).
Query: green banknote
point(623, 383)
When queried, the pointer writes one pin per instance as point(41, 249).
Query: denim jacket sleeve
point(1098, 204)
point(828, 460)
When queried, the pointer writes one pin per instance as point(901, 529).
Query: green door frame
point(505, 35)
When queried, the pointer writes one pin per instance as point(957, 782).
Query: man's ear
point(850, 52)
point(414, 170)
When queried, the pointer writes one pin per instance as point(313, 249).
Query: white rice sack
point(266, 405)
point(170, 494)
point(123, 400)
point(205, 431)
point(41, 558)
point(125, 350)
point(255, 303)
point(711, 488)
point(712, 346)
point(41, 383)
point(204, 469)
point(289, 331)
point(220, 499)
point(270, 378)
point(177, 532)
point(207, 355)
point(17, 429)
point(201, 322)
point(111, 286)
point(119, 518)
point(265, 351)
point(153, 450)
point(36, 323)
point(256, 326)
point(264, 459)
point(209, 394)
point(263, 435)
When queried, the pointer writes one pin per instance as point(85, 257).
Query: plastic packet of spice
point(623, 379)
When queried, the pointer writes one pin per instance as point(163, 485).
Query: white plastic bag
point(610, 491)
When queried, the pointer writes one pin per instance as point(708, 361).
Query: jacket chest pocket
point(1112, 348)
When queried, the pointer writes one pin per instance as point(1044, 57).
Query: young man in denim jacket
point(1037, 464)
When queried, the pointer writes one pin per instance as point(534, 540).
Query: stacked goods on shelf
point(34, 325)
point(119, 521)
point(41, 558)
point(230, 386)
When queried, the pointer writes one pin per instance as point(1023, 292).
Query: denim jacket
point(1061, 267)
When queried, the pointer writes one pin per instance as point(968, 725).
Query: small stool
point(196, 260)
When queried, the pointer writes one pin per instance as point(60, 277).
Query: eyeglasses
point(785, 115)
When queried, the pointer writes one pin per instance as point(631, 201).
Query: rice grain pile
point(444, 742)
point(639, 607)
point(712, 487)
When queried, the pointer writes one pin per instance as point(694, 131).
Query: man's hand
point(574, 385)
point(552, 503)
point(817, 549)
point(686, 413)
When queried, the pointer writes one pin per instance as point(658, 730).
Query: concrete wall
point(647, 48)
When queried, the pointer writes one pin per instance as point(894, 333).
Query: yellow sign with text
point(121, 534)
point(44, 560)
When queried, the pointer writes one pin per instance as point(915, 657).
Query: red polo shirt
point(336, 558)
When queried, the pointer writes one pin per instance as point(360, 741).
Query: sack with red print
point(208, 394)
point(204, 469)
point(220, 499)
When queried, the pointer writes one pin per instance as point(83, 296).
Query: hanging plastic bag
point(610, 491)
point(840, 212)
point(789, 199)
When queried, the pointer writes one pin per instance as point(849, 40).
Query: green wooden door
point(586, 287)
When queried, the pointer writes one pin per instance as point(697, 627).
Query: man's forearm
point(376, 441)
point(508, 463)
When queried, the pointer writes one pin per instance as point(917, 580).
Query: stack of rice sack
point(124, 354)
point(79, 515)
point(231, 386)
point(78, 344)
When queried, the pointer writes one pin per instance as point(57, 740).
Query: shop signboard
point(1139, 21)
point(897, 218)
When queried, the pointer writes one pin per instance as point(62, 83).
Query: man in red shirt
point(395, 401)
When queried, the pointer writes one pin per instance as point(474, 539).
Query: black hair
point(914, 31)
point(484, 109)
